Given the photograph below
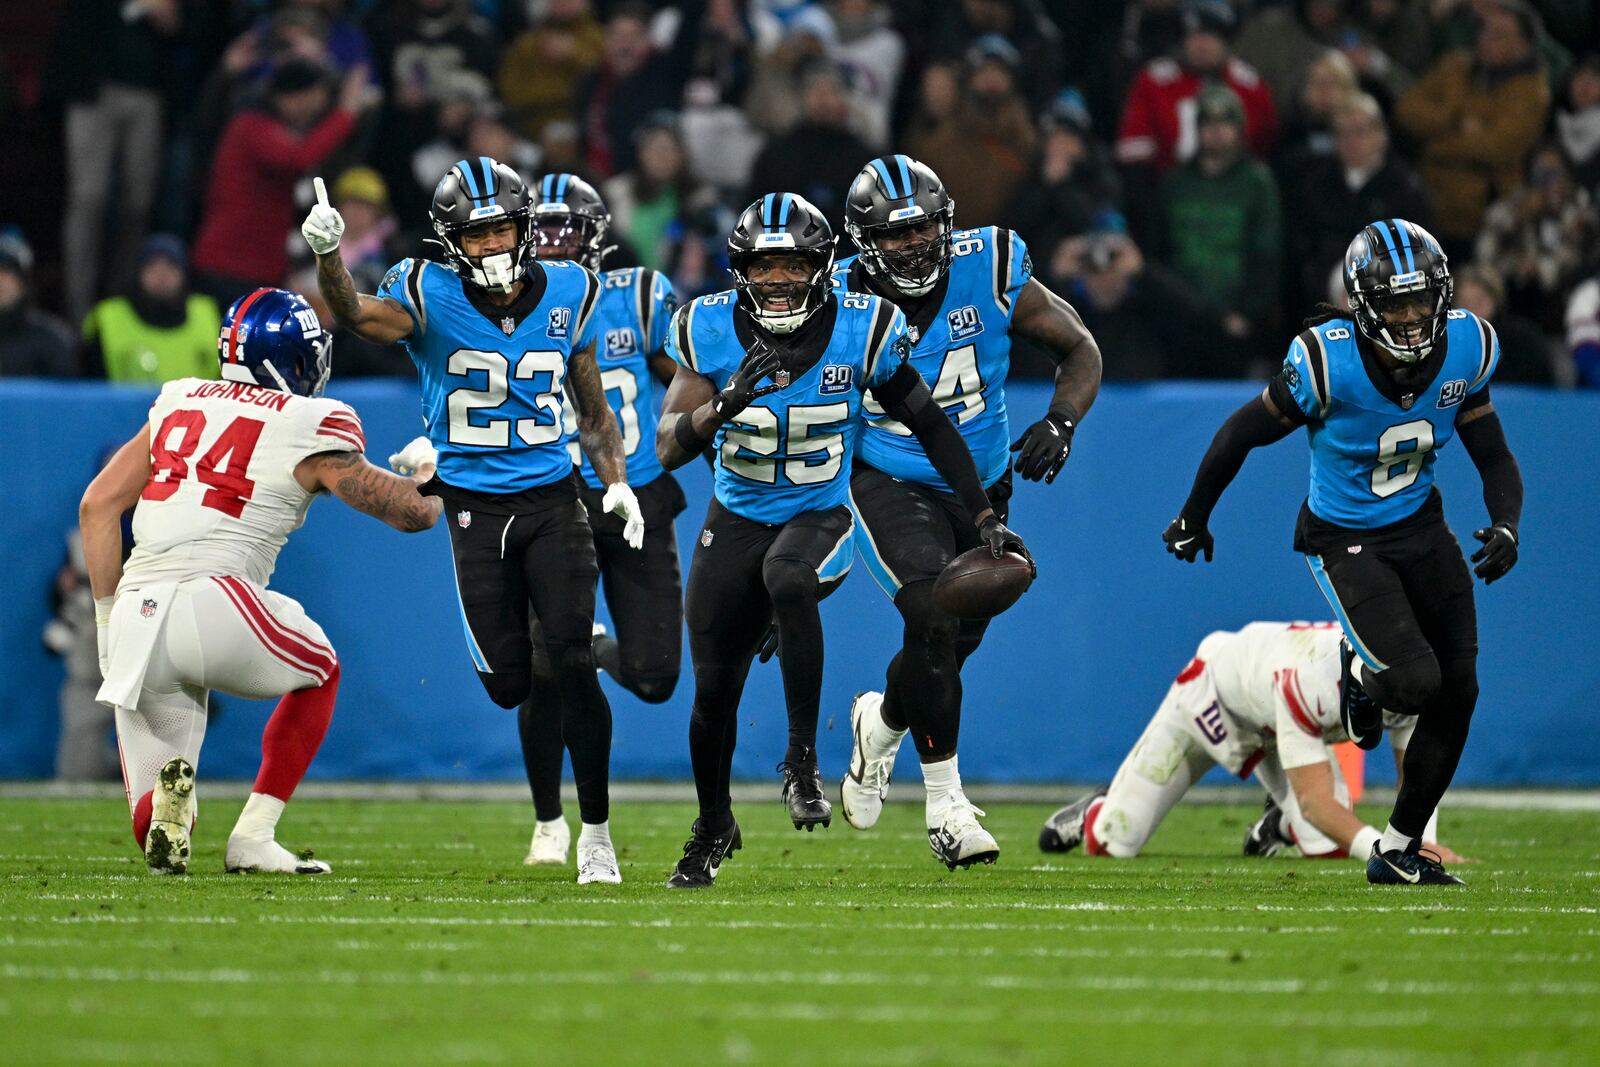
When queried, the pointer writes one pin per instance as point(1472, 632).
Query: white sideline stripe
point(1429, 905)
point(877, 980)
point(1581, 800)
point(662, 924)
point(1097, 1013)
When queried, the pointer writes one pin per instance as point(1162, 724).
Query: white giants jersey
point(222, 496)
point(1280, 681)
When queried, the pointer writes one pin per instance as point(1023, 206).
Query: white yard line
point(1099, 983)
point(1520, 799)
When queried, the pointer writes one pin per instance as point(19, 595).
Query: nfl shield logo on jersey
point(463, 519)
point(781, 378)
point(148, 608)
point(705, 538)
point(508, 325)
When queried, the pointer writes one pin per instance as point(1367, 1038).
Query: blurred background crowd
point(1186, 172)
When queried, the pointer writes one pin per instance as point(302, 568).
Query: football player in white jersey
point(218, 479)
point(1262, 700)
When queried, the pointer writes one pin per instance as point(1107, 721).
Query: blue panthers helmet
point(272, 338)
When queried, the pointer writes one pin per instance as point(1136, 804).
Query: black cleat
point(802, 795)
point(1409, 867)
point(1268, 836)
point(1359, 713)
point(703, 856)
point(1063, 831)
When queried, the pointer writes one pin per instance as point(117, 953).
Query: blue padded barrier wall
point(1061, 688)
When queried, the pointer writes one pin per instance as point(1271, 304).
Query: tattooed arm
point(385, 496)
point(598, 434)
point(373, 318)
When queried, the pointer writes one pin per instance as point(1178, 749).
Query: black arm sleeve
point(1485, 441)
point(1249, 427)
point(905, 396)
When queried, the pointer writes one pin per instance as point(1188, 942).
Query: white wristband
point(1361, 847)
point(102, 609)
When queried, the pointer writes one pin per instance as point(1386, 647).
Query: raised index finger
point(322, 191)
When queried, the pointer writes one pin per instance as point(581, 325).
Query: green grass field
point(430, 943)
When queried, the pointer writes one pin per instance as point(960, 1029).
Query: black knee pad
point(791, 583)
point(652, 688)
point(1410, 687)
point(507, 689)
point(571, 658)
point(925, 623)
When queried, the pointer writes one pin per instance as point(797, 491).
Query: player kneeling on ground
point(218, 480)
point(1262, 700)
point(774, 372)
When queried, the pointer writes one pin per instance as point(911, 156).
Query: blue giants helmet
point(272, 338)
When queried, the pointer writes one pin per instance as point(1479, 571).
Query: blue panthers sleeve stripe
point(1002, 268)
point(414, 291)
point(591, 298)
point(883, 314)
point(1490, 357)
point(1317, 364)
point(644, 284)
point(686, 335)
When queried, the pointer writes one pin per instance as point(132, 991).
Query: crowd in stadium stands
point(1186, 172)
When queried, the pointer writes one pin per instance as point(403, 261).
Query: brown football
point(975, 585)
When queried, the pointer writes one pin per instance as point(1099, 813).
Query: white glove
point(418, 455)
point(324, 226)
point(102, 631)
point(620, 501)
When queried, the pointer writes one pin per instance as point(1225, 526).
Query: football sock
point(1435, 749)
point(594, 834)
point(539, 729)
point(923, 687)
point(799, 754)
point(1394, 840)
point(585, 726)
point(792, 586)
point(141, 817)
point(259, 819)
point(711, 742)
point(889, 709)
point(942, 781)
point(293, 735)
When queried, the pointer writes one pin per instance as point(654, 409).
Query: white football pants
point(221, 633)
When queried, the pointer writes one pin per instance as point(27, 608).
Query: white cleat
point(550, 843)
point(166, 844)
point(597, 862)
point(866, 783)
point(252, 856)
point(958, 839)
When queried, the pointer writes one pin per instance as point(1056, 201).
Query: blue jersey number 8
point(1402, 450)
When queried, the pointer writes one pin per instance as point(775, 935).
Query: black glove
point(1498, 554)
point(745, 386)
point(1044, 447)
point(1186, 539)
point(769, 641)
point(1000, 540)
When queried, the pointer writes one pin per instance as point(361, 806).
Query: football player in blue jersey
point(643, 588)
point(775, 373)
point(1380, 390)
point(965, 294)
point(501, 342)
